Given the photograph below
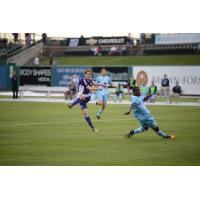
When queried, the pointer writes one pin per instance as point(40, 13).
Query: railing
point(24, 48)
point(25, 54)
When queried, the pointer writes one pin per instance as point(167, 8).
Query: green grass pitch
point(126, 60)
point(50, 134)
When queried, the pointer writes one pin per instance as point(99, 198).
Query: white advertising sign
point(187, 76)
point(182, 38)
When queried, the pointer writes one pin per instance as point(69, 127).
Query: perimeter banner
point(3, 78)
point(33, 75)
point(187, 76)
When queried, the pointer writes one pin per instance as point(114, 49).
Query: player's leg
point(115, 97)
point(101, 102)
point(99, 96)
point(75, 102)
point(153, 124)
point(120, 97)
point(87, 117)
point(163, 134)
point(142, 129)
point(101, 109)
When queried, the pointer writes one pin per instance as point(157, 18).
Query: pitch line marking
point(60, 123)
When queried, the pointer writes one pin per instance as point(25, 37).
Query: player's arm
point(98, 84)
point(81, 88)
point(147, 97)
point(94, 87)
point(111, 84)
point(129, 110)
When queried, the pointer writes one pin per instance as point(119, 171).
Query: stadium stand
point(145, 46)
point(8, 48)
point(177, 49)
point(19, 51)
point(25, 54)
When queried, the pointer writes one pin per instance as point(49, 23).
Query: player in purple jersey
point(85, 87)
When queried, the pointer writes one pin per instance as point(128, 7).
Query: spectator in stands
point(131, 84)
point(176, 92)
point(81, 40)
point(153, 92)
point(27, 39)
point(4, 43)
point(164, 90)
point(198, 48)
point(14, 83)
point(144, 90)
point(15, 35)
point(44, 38)
point(50, 60)
point(113, 51)
point(123, 50)
point(119, 93)
point(129, 39)
point(36, 61)
point(97, 51)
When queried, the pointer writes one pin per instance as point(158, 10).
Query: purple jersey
point(82, 86)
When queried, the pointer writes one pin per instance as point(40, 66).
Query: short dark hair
point(103, 69)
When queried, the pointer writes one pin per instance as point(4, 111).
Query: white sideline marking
point(61, 123)
point(125, 102)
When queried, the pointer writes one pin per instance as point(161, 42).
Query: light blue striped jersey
point(106, 81)
point(139, 109)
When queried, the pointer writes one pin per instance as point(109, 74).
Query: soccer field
point(126, 60)
point(51, 134)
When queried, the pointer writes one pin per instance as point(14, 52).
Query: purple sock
point(89, 122)
point(75, 102)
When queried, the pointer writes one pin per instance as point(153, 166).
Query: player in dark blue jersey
point(85, 87)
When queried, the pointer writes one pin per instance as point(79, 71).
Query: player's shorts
point(102, 96)
point(83, 103)
point(148, 122)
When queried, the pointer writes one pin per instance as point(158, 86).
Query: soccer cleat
point(128, 136)
point(69, 106)
point(98, 117)
point(94, 130)
point(172, 137)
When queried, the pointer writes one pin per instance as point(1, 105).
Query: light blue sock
point(100, 111)
point(162, 134)
point(120, 98)
point(139, 130)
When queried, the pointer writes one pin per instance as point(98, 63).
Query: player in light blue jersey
point(104, 82)
point(144, 116)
